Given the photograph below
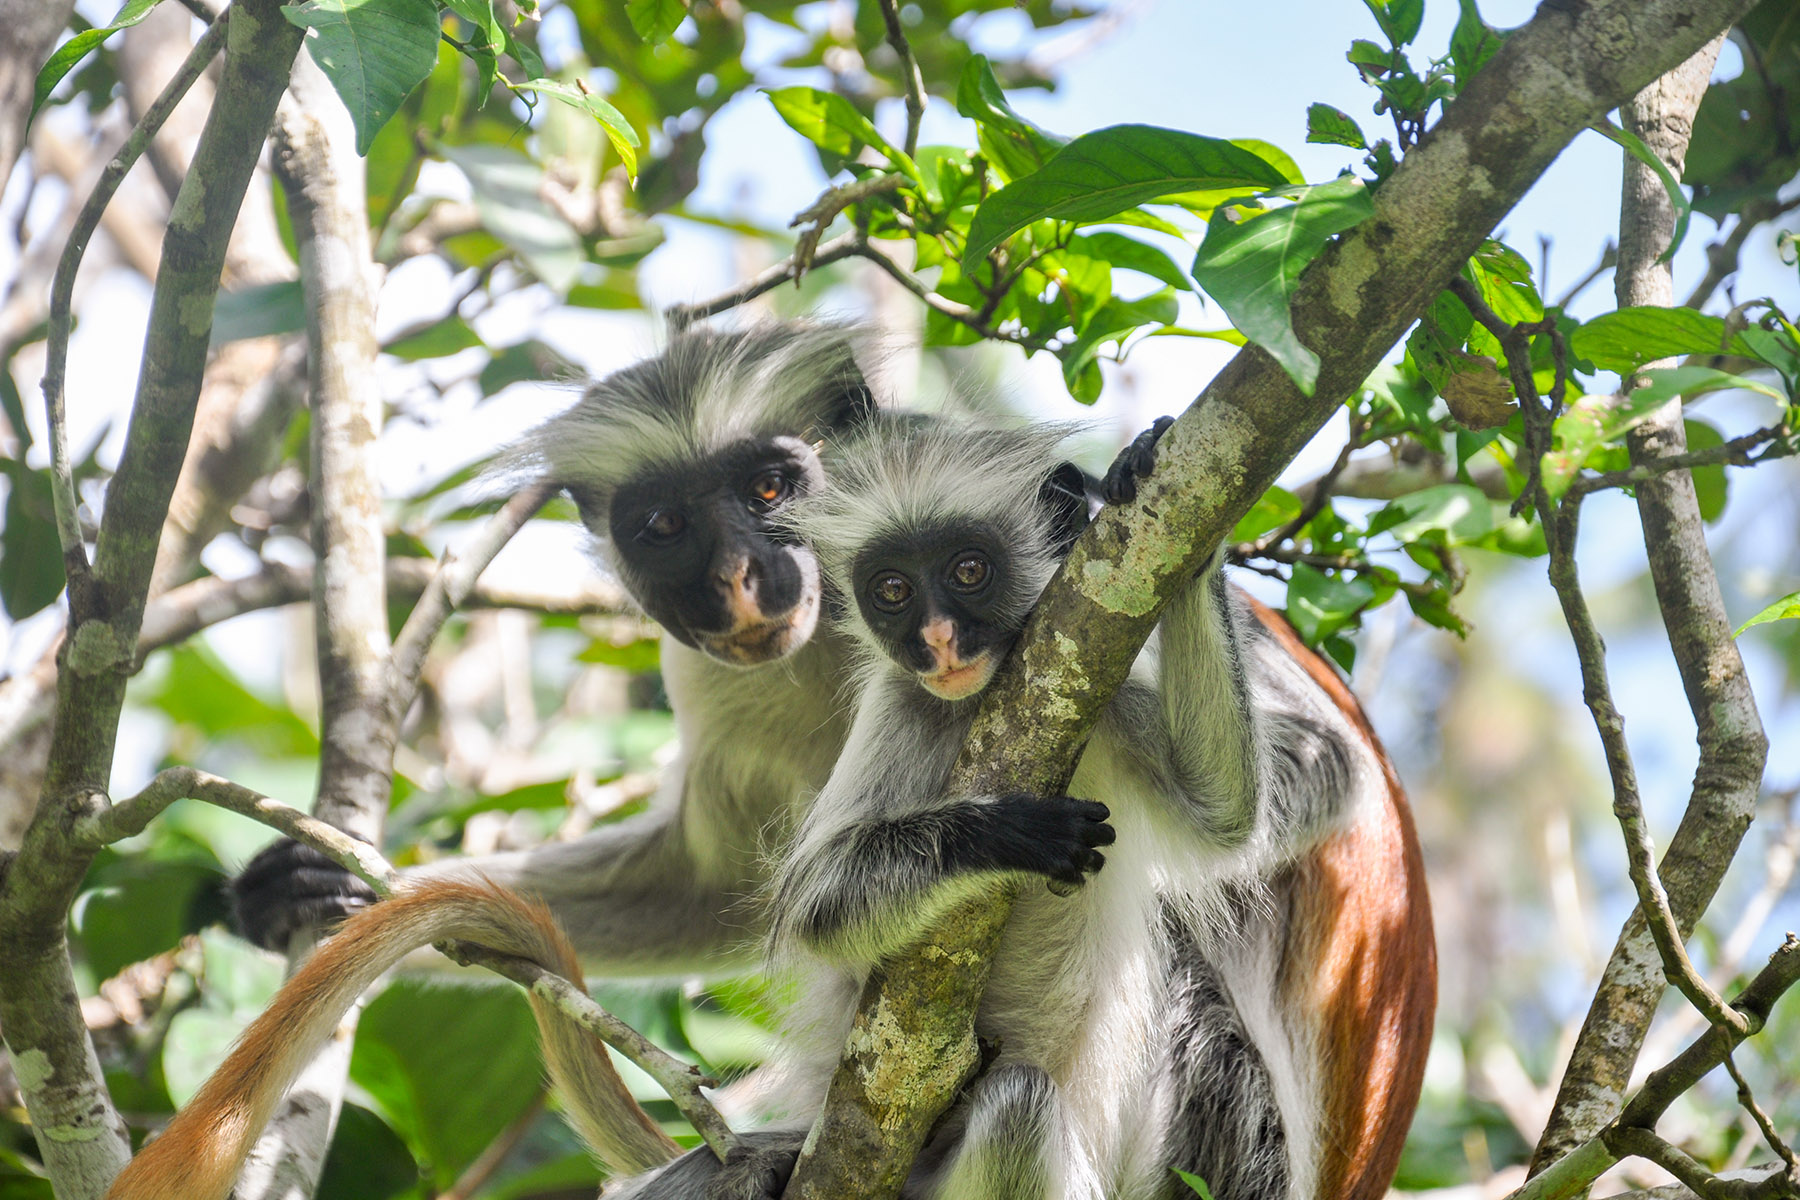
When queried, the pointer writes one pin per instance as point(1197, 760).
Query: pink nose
point(939, 633)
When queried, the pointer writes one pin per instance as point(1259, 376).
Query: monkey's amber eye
point(662, 525)
point(969, 571)
point(769, 489)
point(890, 591)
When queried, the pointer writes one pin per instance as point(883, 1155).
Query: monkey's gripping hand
point(1135, 462)
point(759, 1170)
point(291, 886)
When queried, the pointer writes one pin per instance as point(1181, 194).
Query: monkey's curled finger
point(1135, 461)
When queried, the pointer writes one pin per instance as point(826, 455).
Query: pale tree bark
point(32, 28)
point(1733, 746)
point(315, 158)
point(80, 1136)
point(911, 1043)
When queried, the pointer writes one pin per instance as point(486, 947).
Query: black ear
point(852, 403)
point(1064, 497)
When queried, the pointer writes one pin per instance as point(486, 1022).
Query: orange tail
point(200, 1153)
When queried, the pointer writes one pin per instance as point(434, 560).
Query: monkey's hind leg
point(1009, 1142)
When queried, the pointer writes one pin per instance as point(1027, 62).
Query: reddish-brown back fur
point(1364, 961)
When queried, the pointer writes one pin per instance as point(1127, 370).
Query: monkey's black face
point(940, 601)
point(698, 547)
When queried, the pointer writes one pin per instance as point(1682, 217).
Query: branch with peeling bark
point(911, 1042)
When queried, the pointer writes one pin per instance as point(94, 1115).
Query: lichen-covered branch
point(911, 1039)
point(128, 818)
point(80, 1136)
point(1733, 746)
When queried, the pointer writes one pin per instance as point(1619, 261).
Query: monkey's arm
point(880, 853)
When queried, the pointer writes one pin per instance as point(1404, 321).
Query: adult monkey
point(678, 466)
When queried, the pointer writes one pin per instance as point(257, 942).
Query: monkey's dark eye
point(969, 571)
point(889, 591)
point(661, 525)
point(768, 490)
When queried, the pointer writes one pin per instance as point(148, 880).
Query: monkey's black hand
point(290, 886)
point(1053, 836)
point(1134, 463)
point(757, 1170)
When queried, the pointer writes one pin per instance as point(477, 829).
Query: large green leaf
point(1666, 383)
point(1625, 340)
point(655, 20)
point(1014, 146)
point(1251, 265)
point(831, 123)
point(374, 52)
point(1104, 173)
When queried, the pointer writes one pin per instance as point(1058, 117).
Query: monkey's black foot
point(1135, 462)
point(290, 886)
point(1056, 836)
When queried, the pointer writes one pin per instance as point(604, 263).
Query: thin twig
point(1767, 1127)
point(1722, 257)
point(954, 309)
point(1644, 1144)
point(477, 1174)
point(449, 587)
point(1734, 453)
point(1609, 258)
point(680, 316)
point(1318, 497)
point(909, 70)
point(682, 1081)
point(62, 293)
point(132, 816)
point(1561, 524)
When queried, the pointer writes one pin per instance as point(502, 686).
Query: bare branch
point(830, 203)
point(680, 316)
point(1722, 256)
point(1747, 1100)
point(909, 73)
point(1734, 453)
point(56, 352)
point(449, 587)
point(128, 818)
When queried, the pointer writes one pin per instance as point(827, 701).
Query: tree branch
point(1733, 747)
point(82, 1141)
point(680, 316)
point(911, 1043)
point(913, 81)
point(62, 290)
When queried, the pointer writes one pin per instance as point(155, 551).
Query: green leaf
point(1195, 1182)
point(831, 123)
point(1333, 127)
point(31, 566)
point(1114, 320)
point(1634, 146)
point(507, 198)
point(1273, 509)
point(1711, 488)
point(1399, 19)
point(79, 47)
point(1785, 609)
point(619, 132)
point(524, 362)
point(1504, 278)
point(641, 657)
point(1320, 605)
point(1104, 173)
point(1625, 340)
point(1014, 146)
point(1666, 383)
point(1590, 423)
point(1472, 42)
point(261, 310)
point(440, 339)
point(1251, 266)
point(655, 20)
point(374, 52)
point(1450, 514)
point(1133, 255)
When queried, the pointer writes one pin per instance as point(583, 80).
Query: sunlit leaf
point(1785, 609)
point(1251, 266)
point(1333, 127)
point(619, 132)
point(1014, 146)
point(1106, 172)
point(63, 60)
point(1666, 383)
point(374, 52)
point(1625, 340)
point(831, 123)
point(655, 20)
